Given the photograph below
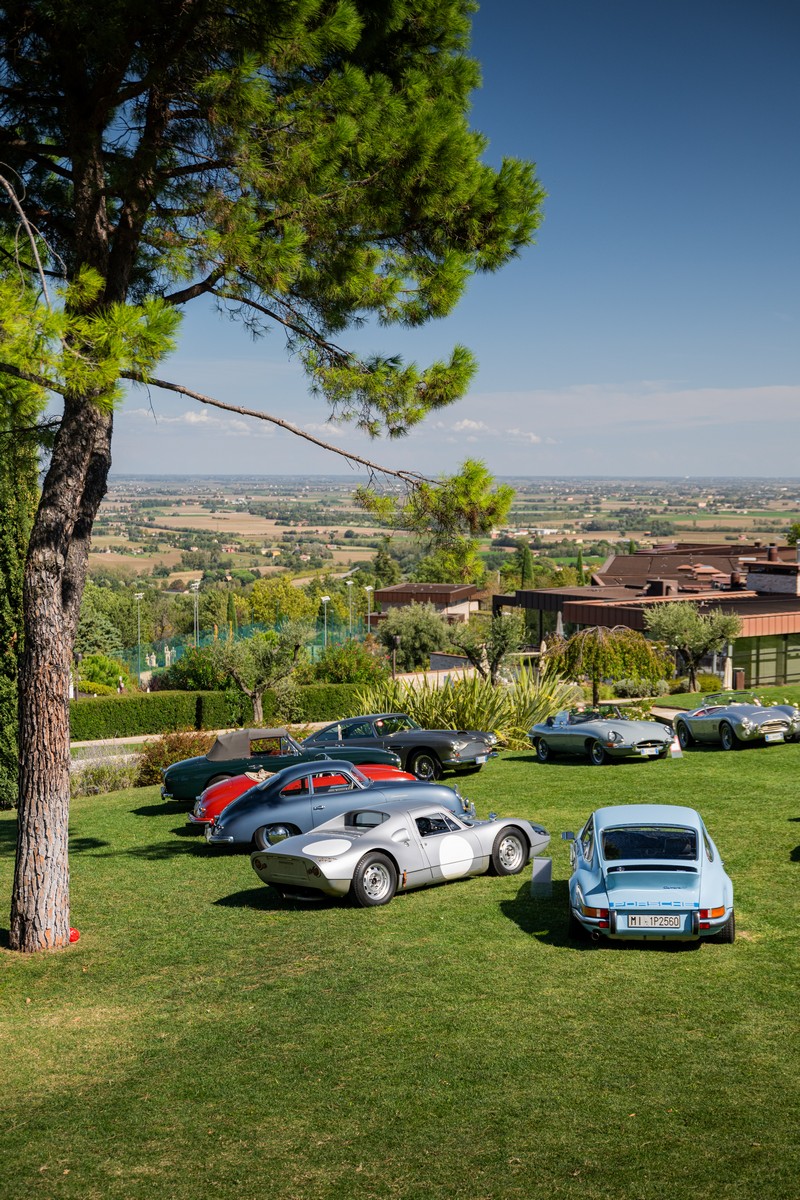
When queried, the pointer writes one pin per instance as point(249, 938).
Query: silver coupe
point(728, 719)
point(376, 850)
point(600, 735)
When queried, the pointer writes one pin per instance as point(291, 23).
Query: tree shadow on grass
point(166, 808)
point(581, 760)
point(547, 920)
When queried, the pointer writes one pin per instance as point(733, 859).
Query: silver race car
point(600, 735)
point(730, 718)
point(374, 852)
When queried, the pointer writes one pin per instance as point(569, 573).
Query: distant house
point(761, 584)
point(456, 602)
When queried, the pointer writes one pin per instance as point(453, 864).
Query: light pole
point(395, 648)
point(194, 587)
point(325, 601)
point(349, 586)
point(369, 589)
point(139, 598)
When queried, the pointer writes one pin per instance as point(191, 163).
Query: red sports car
point(211, 802)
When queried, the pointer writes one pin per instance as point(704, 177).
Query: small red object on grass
point(73, 935)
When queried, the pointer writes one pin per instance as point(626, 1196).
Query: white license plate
point(648, 750)
point(773, 737)
point(655, 921)
point(481, 758)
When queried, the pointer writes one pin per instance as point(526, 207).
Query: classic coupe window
point(387, 725)
point(426, 826)
point(649, 842)
point(333, 781)
point(362, 729)
point(587, 840)
point(329, 735)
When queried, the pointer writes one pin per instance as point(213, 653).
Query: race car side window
point(587, 840)
point(426, 826)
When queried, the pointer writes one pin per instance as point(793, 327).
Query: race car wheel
point(425, 765)
point(728, 739)
point(374, 880)
point(217, 779)
point(542, 751)
point(685, 739)
point(597, 755)
point(261, 836)
point(727, 935)
point(509, 852)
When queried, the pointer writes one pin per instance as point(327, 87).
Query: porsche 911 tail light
point(710, 913)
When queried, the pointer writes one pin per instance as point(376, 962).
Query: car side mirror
point(568, 837)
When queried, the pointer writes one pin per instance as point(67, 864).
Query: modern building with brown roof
point(455, 602)
point(761, 584)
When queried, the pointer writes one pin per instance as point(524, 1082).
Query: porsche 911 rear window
point(649, 842)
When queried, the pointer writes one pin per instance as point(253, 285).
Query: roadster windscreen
point(649, 842)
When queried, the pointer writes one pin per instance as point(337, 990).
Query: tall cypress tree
point(19, 465)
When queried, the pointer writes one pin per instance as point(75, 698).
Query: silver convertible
point(600, 735)
point(730, 718)
point(377, 850)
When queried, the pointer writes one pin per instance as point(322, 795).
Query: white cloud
point(325, 430)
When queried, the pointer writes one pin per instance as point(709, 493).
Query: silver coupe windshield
point(649, 842)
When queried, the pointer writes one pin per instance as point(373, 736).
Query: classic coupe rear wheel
point(597, 755)
point(374, 880)
point(217, 779)
point(261, 836)
point(509, 852)
point(542, 751)
point(728, 739)
point(425, 765)
point(727, 935)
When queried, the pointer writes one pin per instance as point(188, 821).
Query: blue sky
point(652, 330)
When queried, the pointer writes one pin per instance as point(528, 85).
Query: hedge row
point(169, 712)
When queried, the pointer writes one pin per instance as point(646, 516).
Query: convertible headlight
point(612, 736)
point(460, 745)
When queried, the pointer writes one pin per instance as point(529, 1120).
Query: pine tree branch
point(411, 478)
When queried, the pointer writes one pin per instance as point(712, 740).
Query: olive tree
point(693, 633)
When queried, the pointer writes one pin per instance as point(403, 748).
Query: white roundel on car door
point(455, 856)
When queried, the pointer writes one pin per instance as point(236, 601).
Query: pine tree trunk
point(55, 574)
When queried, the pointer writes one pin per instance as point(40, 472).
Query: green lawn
point(204, 1040)
point(784, 693)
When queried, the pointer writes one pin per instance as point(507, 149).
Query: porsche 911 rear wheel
point(374, 880)
point(727, 935)
point(509, 852)
point(727, 738)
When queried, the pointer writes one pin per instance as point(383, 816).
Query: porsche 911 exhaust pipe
point(595, 935)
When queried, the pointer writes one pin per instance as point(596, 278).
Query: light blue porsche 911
point(648, 871)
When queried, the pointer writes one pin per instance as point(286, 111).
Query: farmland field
point(206, 1039)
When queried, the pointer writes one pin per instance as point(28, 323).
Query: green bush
point(160, 753)
point(90, 687)
point(101, 668)
point(167, 712)
point(474, 703)
point(706, 682)
point(350, 662)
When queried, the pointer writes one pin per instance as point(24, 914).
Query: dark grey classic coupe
point(426, 753)
point(252, 750)
point(599, 735)
point(728, 719)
